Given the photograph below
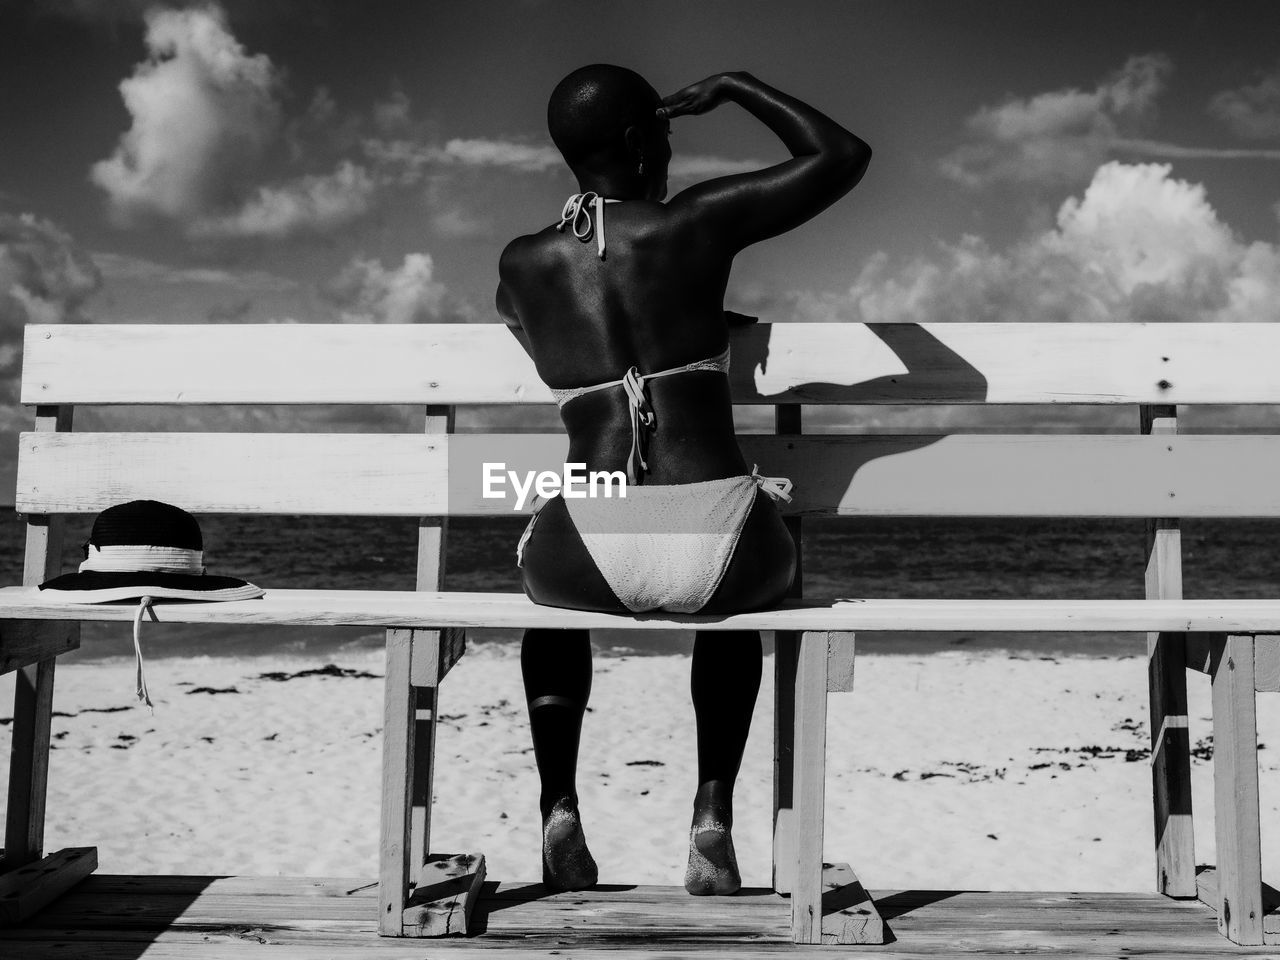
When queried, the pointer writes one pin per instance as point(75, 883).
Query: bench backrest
point(437, 367)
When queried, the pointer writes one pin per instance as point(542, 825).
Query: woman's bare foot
point(567, 864)
point(713, 868)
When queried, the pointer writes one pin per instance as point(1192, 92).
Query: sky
point(284, 160)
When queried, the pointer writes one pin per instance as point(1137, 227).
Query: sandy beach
point(956, 770)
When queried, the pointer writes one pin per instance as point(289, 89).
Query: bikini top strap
point(717, 364)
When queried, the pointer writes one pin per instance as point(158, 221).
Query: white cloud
point(308, 203)
point(368, 292)
point(411, 158)
point(1252, 112)
point(703, 167)
point(455, 223)
point(1138, 245)
point(203, 114)
point(45, 277)
point(115, 266)
point(525, 157)
point(1061, 136)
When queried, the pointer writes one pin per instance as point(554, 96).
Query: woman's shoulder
point(527, 252)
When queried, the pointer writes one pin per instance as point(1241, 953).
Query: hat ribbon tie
point(144, 606)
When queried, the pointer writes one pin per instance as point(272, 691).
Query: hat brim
point(95, 586)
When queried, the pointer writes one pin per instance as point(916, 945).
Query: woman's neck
point(617, 186)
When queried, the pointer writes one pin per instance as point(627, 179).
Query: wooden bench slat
point(409, 474)
point(422, 609)
point(1091, 363)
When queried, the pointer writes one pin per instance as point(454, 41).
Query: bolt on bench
point(1153, 473)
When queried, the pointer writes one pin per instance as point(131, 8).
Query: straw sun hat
point(145, 550)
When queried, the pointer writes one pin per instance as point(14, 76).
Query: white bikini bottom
point(666, 547)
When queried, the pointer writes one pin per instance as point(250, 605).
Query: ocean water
point(919, 558)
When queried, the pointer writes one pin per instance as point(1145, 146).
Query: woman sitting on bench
point(630, 331)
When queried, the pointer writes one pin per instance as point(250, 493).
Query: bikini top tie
point(576, 216)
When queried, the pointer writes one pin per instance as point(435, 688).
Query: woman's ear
point(633, 137)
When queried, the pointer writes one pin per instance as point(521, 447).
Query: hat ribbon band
point(139, 559)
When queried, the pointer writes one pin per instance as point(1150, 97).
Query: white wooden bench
point(1152, 473)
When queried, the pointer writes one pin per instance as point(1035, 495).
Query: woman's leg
point(725, 679)
point(556, 665)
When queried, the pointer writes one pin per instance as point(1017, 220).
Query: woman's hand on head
point(696, 98)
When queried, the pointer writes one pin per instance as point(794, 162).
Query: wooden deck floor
point(206, 918)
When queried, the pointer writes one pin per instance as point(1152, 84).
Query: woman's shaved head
point(591, 108)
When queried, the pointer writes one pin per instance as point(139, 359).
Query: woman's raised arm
point(826, 162)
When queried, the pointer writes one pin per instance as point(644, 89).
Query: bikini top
point(633, 381)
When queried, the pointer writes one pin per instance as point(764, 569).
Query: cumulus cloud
point(1252, 111)
point(703, 167)
point(204, 112)
point(122, 267)
point(1138, 245)
point(367, 292)
point(1060, 136)
point(45, 277)
point(412, 158)
point(308, 203)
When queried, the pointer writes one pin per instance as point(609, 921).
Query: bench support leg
point(786, 651)
point(419, 894)
point(1171, 764)
point(29, 765)
point(395, 846)
point(1235, 791)
point(828, 903)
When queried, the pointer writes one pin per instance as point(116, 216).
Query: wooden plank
point(1235, 792)
point(414, 475)
point(809, 784)
point(903, 363)
point(522, 921)
point(432, 661)
point(1202, 651)
point(446, 896)
point(410, 609)
point(849, 915)
point(33, 687)
point(431, 646)
point(1266, 664)
point(342, 474)
point(26, 889)
point(396, 840)
point(785, 661)
point(840, 650)
point(25, 642)
point(788, 421)
point(1167, 685)
point(1207, 893)
point(958, 475)
point(422, 769)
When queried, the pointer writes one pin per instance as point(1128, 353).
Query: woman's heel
point(713, 867)
point(567, 864)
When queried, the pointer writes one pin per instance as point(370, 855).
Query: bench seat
point(474, 390)
point(425, 610)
